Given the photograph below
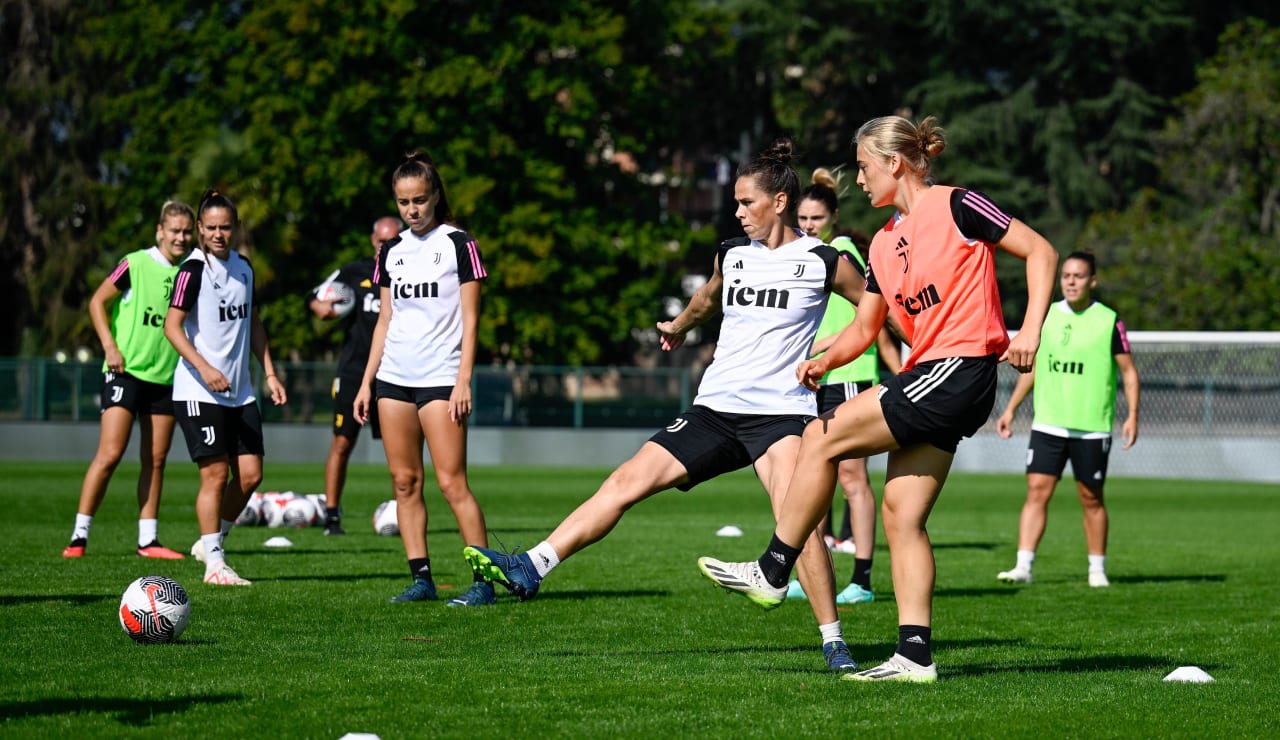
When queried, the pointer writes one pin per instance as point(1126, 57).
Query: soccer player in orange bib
point(933, 267)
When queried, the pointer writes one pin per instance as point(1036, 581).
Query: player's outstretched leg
point(514, 571)
point(744, 578)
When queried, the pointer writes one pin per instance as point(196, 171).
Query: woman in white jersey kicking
point(420, 364)
point(772, 287)
point(213, 323)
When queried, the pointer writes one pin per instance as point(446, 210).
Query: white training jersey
point(218, 298)
point(423, 348)
point(772, 301)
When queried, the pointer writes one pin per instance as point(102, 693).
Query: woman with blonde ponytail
point(933, 268)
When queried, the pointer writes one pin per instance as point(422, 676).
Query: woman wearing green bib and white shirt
point(1082, 345)
point(819, 205)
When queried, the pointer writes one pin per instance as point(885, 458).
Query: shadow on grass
point(1096, 664)
point(77, 599)
point(337, 578)
point(983, 591)
point(635, 593)
point(128, 711)
point(307, 551)
point(966, 545)
point(1199, 578)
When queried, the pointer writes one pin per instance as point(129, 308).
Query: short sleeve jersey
point(424, 275)
point(772, 301)
point(145, 281)
point(936, 271)
point(218, 298)
point(363, 318)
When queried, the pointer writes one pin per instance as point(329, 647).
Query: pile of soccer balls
point(283, 509)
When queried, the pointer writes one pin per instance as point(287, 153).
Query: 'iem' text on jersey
point(218, 298)
point(424, 275)
point(772, 301)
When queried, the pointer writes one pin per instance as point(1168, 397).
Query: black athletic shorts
point(213, 430)
point(939, 402)
point(710, 443)
point(418, 396)
point(1048, 454)
point(344, 401)
point(133, 395)
point(831, 395)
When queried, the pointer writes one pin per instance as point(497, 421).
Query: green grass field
point(627, 639)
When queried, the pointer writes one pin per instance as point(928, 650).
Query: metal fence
point(42, 389)
point(1193, 385)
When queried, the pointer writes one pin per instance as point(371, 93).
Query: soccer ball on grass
point(154, 610)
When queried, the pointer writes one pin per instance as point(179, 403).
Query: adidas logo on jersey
point(737, 265)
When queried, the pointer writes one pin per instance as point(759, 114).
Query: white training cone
point(1189, 674)
point(728, 530)
point(278, 542)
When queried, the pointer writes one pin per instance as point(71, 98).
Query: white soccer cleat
point(1098, 579)
point(897, 668)
point(197, 551)
point(225, 576)
point(744, 578)
point(845, 546)
point(1017, 575)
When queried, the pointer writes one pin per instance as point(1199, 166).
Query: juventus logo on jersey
point(209, 435)
point(902, 251)
point(799, 270)
point(436, 261)
point(677, 425)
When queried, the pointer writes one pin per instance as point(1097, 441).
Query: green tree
point(1200, 252)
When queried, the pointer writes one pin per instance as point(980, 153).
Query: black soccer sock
point(846, 530)
point(914, 643)
point(778, 561)
point(420, 568)
point(862, 572)
point(331, 514)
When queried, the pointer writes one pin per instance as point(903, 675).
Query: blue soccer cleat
point(838, 657)
point(480, 594)
point(420, 590)
point(855, 594)
point(514, 571)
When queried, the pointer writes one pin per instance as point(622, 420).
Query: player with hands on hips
point(127, 311)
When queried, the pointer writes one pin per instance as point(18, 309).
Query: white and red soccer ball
point(154, 610)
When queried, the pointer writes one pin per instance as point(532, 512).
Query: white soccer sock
point(227, 524)
point(544, 558)
point(214, 555)
point(146, 532)
point(81, 530)
point(831, 632)
point(1097, 563)
point(1026, 558)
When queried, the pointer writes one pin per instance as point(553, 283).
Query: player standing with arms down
point(772, 287)
point(420, 364)
point(1082, 345)
point(358, 276)
point(137, 377)
point(213, 323)
point(933, 266)
point(819, 207)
